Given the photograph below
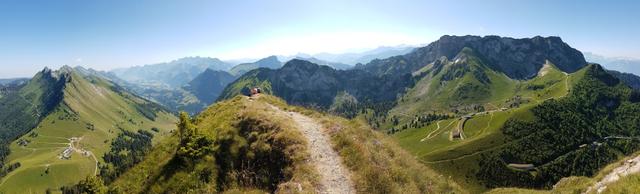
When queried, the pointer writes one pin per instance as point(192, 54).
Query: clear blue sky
point(119, 33)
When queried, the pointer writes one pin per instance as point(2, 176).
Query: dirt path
point(631, 166)
point(334, 176)
point(95, 172)
point(429, 135)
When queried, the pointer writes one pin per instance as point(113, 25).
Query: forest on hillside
point(574, 136)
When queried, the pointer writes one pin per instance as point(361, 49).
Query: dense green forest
point(128, 149)
point(573, 136)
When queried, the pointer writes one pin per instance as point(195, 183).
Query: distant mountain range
point(13, 81)
point(208, 85)
point(353, 58)
point(270, 62)
point(626, 65)
point(179, 84)
point(172, 74)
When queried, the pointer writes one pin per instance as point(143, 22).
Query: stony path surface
point(629, 167)
point(334, 176)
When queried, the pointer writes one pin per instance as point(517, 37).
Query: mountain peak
point(518, 58)
point(300, 64)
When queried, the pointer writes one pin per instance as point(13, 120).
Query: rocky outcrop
point(517, 58)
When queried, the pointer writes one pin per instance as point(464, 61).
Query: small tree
point(186, 128)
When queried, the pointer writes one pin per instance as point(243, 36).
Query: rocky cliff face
point(517, 58)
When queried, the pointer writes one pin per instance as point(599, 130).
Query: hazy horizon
point(116, 34)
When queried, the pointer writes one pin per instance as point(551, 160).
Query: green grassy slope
point(432, 142)
point(378, 165)
point(95, 111)
point(466, 84)
point(598, 118)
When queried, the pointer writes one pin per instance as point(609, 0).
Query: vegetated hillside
point(466, 84)
point(23, 109)
point(455, 75)
point(208, 85)
point(59, 127)
point(304, 83)
point(452, 142)
point(172, 74)
point(252, 145)
point(270, 62)
point(515, 58)
point(631, 80)
point(600, 117)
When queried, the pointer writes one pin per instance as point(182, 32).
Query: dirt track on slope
point(334, 176)
point(630, 166)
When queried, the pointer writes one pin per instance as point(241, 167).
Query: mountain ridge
point(71, 129)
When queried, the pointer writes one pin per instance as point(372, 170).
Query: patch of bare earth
point(630, 166)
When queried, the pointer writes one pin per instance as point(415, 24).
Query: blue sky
point(120, 33)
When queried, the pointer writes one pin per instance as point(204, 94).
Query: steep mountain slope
point(304, 83)
point(505, 60)
point(631, 80)
point(467, 84)
point(600, 113)
point(208, 85)
point(457, 75)
point(516, 58)
point(270, 62)
point(72, 122)
point(261, 144)
point(23, 109)
point(172, 74)
point(537, 143)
